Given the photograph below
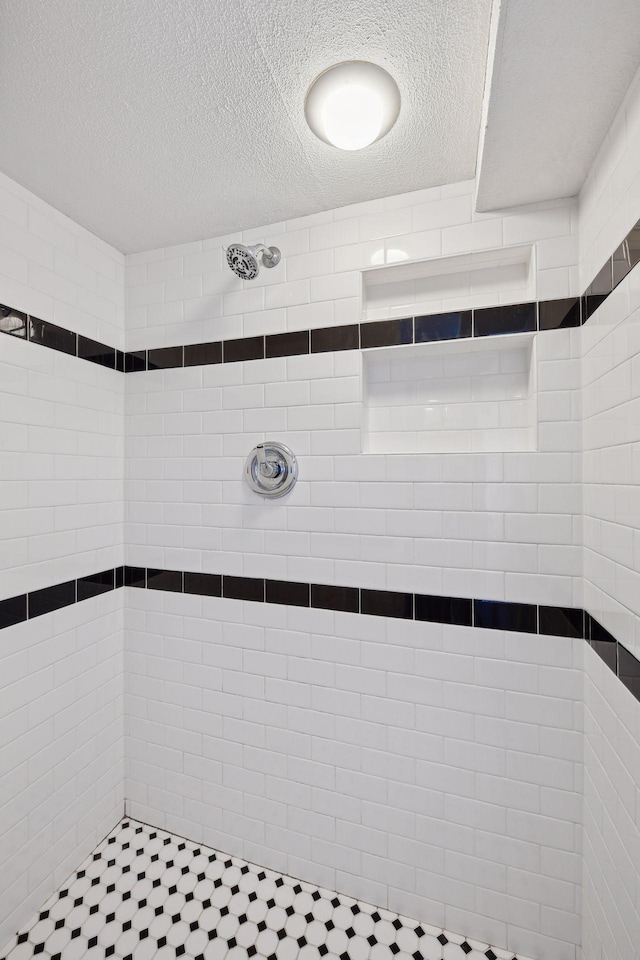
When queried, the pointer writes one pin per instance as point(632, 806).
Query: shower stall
point(318, 613)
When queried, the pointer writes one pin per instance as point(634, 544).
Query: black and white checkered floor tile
point(146, 894)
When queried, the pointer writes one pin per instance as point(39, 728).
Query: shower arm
point(270, 255)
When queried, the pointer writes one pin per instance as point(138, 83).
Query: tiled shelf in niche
point(483, 278)
point(474, 395)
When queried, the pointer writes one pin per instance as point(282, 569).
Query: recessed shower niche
point(403, 287)
point(451, 396)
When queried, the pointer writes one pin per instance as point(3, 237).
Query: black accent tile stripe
point(49, 335)
point(561, 621)
point(515, 318)
point(325, 597)
point(13, 610)
point(557, 314)
point(287, 344)
point(453, 610)
point(386, 333)
point(443, 326)
point(288, 592)
point(602, 642)
point(498, 615)
point(243, 588)
point(135, 361)
point(629, 670)
point(327, 339)
point(135, 577)
point(483, 614)
point(96, 352)
point(51, 598)
point(164, 358)
point(384, 603)
point(96, 584)
point(203, 584)
point(599, 289)
point(246, 348)
point(202, 354)
point(170, 580)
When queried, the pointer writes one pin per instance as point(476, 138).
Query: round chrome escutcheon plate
point(271, 469)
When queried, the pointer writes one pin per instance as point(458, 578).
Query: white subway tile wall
point(61, 466)
point(373, 521)
point(61, 509)
point(424, 767)
point(609, 206)
point(311, 731)
point(611, 917)
point(62, 748)
point(57, 270)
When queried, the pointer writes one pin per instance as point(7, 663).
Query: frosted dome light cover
point(352, 105)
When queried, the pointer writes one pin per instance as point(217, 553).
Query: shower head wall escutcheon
point(245, 261)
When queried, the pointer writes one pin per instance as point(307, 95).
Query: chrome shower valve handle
point(271, 469)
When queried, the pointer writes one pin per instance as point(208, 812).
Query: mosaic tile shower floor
point(145, 894)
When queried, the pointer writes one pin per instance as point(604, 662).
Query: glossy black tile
point(287, 344)
point(595, 631)
point(561, 621)
point(288, 592)
point(170, 580)
point(119, 577)
point(456, 610)
point(135, 577)
point(386, 333)
point(247, 348)
point(627, 255)
point(164, 358)
point(51, 598)
point(243, 588)
point(443, 326)
point(632, 241)
point(95, 584)
point(96, 352)
point(327, 597)
point(120, 361)
point(386, 603)
point(49, 335)
point(135, 361)
point(328, 339)
point(498, 615)
point(602, 642)
point(598, 290)
point(203, 584)
point(629, 671)
point(620, 263)
point(515, 318)
point(13, 322)
point(557, 314)
point(202, 354)
point(13, 610)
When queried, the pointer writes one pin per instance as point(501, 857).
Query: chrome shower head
point(245, 261)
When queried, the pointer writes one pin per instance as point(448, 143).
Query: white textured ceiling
point(155, 122)
point(560, 71)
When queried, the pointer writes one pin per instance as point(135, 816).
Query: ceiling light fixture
point(353, 104)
